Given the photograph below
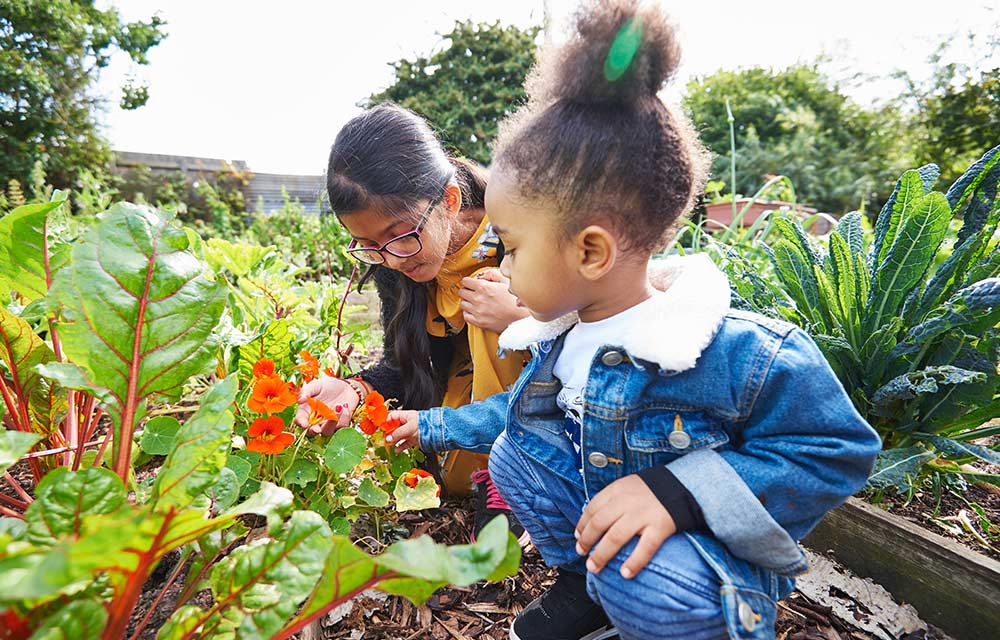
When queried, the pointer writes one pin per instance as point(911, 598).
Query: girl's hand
point(331, 392)
point(622, 510)
point(407, 434)
point(487, 303)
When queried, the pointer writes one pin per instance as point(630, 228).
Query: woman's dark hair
point(388, 159)
point(595, 140)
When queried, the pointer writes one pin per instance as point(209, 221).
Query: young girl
point(663, 451)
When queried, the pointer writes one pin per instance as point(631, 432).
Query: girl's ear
point(596, 252)
point(453, 199)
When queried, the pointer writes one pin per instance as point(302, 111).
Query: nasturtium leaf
point(401, 464)
point(340, 526)
point(226, 491)
point(302, 472)
point(158, 435)
point(383, 474)
point(422, 496)
point(13, 445)
point(200, 450)
point(345, 450)
point(240, 466)
point(371, 494)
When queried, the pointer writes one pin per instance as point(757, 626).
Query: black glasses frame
point(357, 252)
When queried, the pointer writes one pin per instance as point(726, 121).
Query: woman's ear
point(596, 251)
point(453, 199)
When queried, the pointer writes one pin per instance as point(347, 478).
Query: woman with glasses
point(420, 230)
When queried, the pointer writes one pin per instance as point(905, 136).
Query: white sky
point(271, 82)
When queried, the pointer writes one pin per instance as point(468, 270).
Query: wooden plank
point(951, 586)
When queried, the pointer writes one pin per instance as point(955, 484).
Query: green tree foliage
point(51, 52)
point(956, 111)
point(796, 122)
point(467, 87)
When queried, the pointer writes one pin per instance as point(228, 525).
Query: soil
point(485, 611)
point(939, 514)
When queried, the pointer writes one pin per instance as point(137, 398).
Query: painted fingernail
point(388, 438)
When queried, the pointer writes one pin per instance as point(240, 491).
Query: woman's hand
point(487, 303)
point(331, 392)
point(407, 434)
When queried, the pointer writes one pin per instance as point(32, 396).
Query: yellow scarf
point(477, 371)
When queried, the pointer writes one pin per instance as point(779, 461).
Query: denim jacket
point(744, 410)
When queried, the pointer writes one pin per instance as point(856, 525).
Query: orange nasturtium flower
point(389, 426)
point(320, 412)
point(375, 408)
point(374, 413)
point(267, 435)
point(309, 367)
point(263, 368)
point(413, 476)
point(271, 395)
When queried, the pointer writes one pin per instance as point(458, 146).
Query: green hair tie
point(623, 49)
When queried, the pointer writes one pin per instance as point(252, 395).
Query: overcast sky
point(271, 82)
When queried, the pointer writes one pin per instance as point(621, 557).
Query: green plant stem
point(732, 154)
point(295, 455)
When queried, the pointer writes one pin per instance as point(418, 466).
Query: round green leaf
point(422, 496)
point(371, 494)
point(345, 450)
point(302, 472)
point(158, 437)
point(226, 490)
point(240, 466)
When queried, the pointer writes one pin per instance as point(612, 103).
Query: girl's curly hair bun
point(619, 51)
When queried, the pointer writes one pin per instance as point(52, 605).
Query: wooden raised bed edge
point(950, 585)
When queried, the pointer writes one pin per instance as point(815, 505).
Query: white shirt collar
point(672, 330)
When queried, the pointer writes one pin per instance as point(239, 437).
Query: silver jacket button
point(747, 616)
point(612, 358)
point(598, 459)
point(679, 439)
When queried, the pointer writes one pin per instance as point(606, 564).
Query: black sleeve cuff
point(676, 499)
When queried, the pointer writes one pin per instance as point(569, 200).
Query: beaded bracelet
point(358, 389)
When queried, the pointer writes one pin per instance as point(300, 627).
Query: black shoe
point(564, 612)
point(490, 504)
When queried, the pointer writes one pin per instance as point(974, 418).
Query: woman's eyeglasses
point(402, 246)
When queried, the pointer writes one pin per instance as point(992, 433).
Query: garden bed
point(951, 585)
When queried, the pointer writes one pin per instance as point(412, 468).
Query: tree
point(51, 52)
point(466, 88)
point(795, 122)
point(956, 111)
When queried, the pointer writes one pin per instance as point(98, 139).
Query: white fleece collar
point(671, 330)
